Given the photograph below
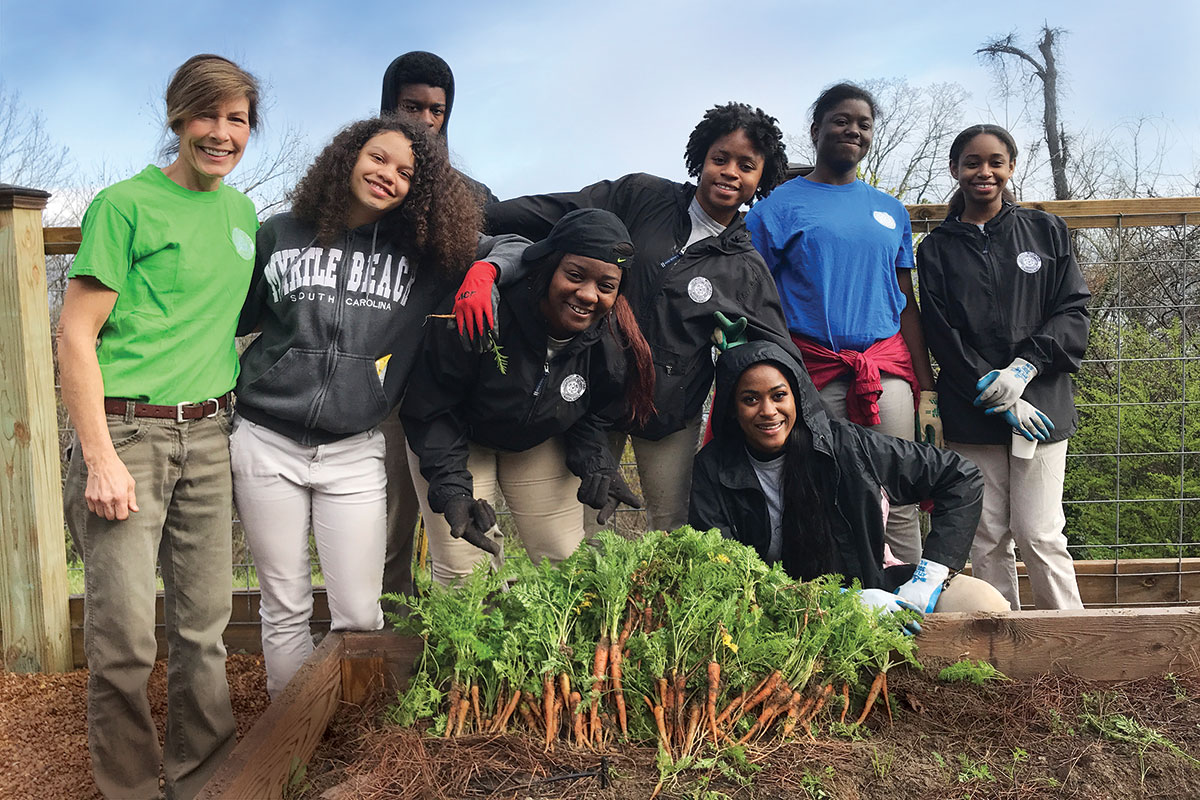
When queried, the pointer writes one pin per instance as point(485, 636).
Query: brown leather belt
point(179, 412)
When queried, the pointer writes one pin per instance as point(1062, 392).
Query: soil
point(1011, 739)
point(43, 726)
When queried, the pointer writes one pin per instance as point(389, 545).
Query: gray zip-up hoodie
point(328, 314)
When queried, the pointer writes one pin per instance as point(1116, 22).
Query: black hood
point(733, 362)
point(413, 68)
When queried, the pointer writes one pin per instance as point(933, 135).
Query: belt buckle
point(179, 411)
point(216, 407)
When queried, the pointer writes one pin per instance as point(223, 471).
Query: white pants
point(1022, 505)
point(540, 492)
point(280, 488)
point(897, 417)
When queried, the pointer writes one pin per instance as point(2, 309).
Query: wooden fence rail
point(35, 622)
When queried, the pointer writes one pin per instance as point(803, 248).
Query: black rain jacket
point(457, 396)
point(1012, 290)
point(726, 494)
point(673, 295)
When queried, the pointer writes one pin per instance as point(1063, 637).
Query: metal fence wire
point(1132, 488)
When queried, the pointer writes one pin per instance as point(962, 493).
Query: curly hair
point(760, 128)
point(440, 215)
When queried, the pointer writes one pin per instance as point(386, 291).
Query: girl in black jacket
point(523, 415)
point(1004, 307)
point(813, 493)
point(694, 257)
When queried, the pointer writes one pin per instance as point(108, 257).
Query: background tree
point(1046, 71)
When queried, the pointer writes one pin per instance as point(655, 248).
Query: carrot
point(661, 721)
point(767, 688)
point(548, 707)
point(822, 699)
point(665, 698)
point(887, 703)
point(599, 671)
point(529, 717)
point(769, 710)
point(577, 718)
point(680, 705)
point(876, 686)
point(692, 726)
point(564, 686)
point(793, 714)
point(464, 706)
point(614, 668)
point(455, 693)
point(501, 721)
point(846, 702)
point(475, 707)
point(627, 628)
point(732, 706)
point(710, 705)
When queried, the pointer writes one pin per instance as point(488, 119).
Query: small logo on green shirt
point(243, 243)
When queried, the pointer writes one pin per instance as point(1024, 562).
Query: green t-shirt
point(180, 262)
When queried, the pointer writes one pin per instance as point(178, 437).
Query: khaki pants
point(403, 510)
point(896, 418)
point(1022, 506)
point(540, 492)
point(185, 524)
point(665, 473)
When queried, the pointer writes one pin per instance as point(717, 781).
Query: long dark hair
point(809, 550)
point(958, 201)
point(624, 328)
point(440, 215)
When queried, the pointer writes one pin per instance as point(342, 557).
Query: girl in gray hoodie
point(381, 230)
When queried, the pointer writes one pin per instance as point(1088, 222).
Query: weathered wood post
point(34, 617)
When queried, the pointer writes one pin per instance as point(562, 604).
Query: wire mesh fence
point(1132, 487)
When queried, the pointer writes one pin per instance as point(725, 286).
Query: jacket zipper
point(537, 390)
point(331, 353)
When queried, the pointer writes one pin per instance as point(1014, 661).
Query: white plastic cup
point(1022, 447)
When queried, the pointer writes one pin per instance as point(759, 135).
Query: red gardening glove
point(474, 304)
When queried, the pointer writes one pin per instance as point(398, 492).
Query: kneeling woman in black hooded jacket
point(524, 415)
point(813, 493)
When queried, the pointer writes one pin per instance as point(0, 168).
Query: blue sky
point(553, 95)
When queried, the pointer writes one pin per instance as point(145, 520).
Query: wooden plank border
point(1101, 644)
point(287, 734)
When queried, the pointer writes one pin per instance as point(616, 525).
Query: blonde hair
point(201, 84)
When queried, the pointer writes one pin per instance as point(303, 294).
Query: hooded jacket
point(858, 464)
point(1012, 290)
point(673, 295)
point(458, 396)
point(327, 314)
point(400, 73)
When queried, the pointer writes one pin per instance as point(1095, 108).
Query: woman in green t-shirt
point(146, 349)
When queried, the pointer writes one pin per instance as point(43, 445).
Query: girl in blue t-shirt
point(841, 255)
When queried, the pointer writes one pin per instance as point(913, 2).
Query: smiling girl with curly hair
point(381, 231)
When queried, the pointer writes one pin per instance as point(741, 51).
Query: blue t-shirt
point(834, 252)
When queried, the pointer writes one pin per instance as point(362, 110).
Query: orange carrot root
point(793, 714)
point(452, 711)
point(876, 685)
point(529, 717)
point(475, 707)
point(464, 706)
point(663, 739)
point(710, 705)
point(614, 667)
point(599, 671)
point(846, 702)
point(577, 718)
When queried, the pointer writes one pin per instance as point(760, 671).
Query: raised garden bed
point(1096, 646)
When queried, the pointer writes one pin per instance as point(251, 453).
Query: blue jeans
point(184, 491)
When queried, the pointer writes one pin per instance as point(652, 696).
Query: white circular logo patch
point(1029, 262)
point(700, 290)
point(243, 243)
point(885, 219)
point(572, 388)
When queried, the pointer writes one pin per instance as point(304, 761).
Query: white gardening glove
point(1000, 388)
point(1026, 420)
point(883, 600)
point(929, 421)
point(925, 585)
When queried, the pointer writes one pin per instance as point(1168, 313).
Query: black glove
point(471, 519)
point(604, 491)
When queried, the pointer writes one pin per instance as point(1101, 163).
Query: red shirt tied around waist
point(889, 355)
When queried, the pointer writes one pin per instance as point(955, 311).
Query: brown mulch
point(43, 726)
point(1009, 740)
